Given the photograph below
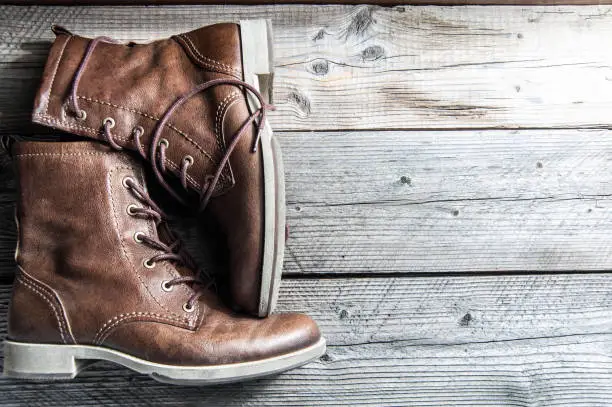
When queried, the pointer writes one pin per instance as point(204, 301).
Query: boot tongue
point(166, 236)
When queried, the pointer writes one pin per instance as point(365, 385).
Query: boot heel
point(38, 361)
point(257, 55)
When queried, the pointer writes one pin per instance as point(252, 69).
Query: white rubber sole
point(59, 362)
point(256, 39)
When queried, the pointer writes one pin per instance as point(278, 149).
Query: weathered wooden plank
point(520, 341)
point(571, 371)
point(416, 167)
point(256, 2)
point(453, 310)
point(443, 201)
point(400, 202)
point(462, 236)
point(367, 67)
point(444, 310)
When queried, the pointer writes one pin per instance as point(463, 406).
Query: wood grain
point(362, 202)
point(571, 372)
point(256, 2)
point(366, 67)
point(444, 311)
point(510, 341)
point(459, 268)
point(433, 201)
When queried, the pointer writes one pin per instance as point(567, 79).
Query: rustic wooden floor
point(449, 183)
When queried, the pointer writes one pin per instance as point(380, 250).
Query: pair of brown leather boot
point(100, 274)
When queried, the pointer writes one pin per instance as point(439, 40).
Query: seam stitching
point(206, 60)
point(221, 134)
point(38, 290)
point(26, 155)
point(218, 117)
point(90, 130)
point(59, 60)
point(109, 325)
point(170, 125)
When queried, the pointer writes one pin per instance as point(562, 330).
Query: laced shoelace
point(158, 145)
point(172, 252)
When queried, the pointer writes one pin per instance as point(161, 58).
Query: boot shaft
point(96, 281)
point(78, 254)
point(135, 84)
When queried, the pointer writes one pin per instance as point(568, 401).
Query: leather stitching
point(191, 180)
point(59, 59)
point(220, 114)
point(221, 135)
point(43, 293)
point(170, 125)
point(114, 322)
point(54, 154)
point(92, 131)
point(206, 60)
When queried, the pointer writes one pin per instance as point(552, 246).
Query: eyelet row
point(138, 131)
point(148, 263)
point(165, 285)
point(187, 159)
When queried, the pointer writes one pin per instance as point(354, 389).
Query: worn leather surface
point(135, 84)
point(81, 275)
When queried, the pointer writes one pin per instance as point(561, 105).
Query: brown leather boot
point(191, 106)
point(101, 277)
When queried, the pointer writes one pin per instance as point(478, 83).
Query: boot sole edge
point(46, 362)
point(257, 61)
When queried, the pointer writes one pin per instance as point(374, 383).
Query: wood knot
point(373, 53)
point(319, 35)
point(301, 101)
point(360, 23)
point(406, 180)
point(320, 67)
point(326, 358)
point(465, 320)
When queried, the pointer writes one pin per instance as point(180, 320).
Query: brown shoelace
point(172, 252)
point(158, 146)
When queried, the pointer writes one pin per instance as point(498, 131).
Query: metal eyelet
point(166, 286)
point(188, 308)
point(81, 114)
point(110, 121)
point(138, 237)
point(164, 142)
point(126, 179)
point(188, 159)
point(130, 209)
point(148, 263)
point(138, 130)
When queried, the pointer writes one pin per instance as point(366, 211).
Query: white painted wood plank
point(368, 202)
point(365, 67)
point(453, 310)
point(415, 167)
point(462, 236)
